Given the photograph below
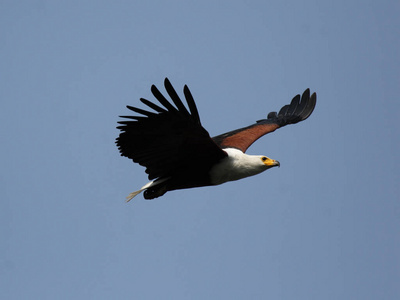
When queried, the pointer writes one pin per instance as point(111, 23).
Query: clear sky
point(325, 225)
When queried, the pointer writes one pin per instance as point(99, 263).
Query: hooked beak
point(271, 162)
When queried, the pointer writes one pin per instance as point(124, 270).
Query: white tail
point(146, 186)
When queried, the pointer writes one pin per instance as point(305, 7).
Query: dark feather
point(140, 111)
point(191, 104)
point(152, 105)
point(162, 99)
point(174, 96)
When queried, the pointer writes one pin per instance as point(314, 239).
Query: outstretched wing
point(168, 140)
point(298, 110)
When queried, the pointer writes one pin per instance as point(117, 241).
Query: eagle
point(178, 152)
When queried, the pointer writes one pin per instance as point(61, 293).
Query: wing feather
point(152, 105)
point(174, 96)
point(140, 111)
point(162, 99)
point(191, 104)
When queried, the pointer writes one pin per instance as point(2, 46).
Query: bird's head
point(269, 163)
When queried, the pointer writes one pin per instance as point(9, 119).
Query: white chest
point(235, 166)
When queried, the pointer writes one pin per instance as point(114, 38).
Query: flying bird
point(179, 153)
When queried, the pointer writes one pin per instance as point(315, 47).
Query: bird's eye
point(264, 158)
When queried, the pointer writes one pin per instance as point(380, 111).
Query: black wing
point(298, 110)
point(170, 139)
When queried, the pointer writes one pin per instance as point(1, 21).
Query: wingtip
point(314, 95)
point(306, 94)
point(310, 103)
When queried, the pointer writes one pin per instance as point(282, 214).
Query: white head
point(239, 165)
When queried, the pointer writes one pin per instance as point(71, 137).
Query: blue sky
point(325, 225)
